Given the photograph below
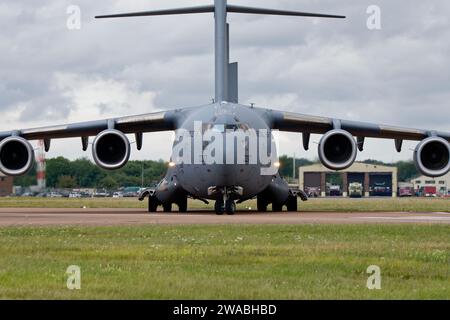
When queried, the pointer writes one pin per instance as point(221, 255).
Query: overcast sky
point(398, 75)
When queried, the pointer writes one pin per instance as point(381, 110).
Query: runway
point(117, 217)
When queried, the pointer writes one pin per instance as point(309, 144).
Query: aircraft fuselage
point(230, 145)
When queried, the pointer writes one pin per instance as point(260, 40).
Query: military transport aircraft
point(226, 183)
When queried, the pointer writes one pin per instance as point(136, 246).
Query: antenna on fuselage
point(226, 78)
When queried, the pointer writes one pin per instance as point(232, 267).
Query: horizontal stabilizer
point(210, 8)
point(250, 10)
point(202, 9)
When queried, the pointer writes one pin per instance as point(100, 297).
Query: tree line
point(83, 173)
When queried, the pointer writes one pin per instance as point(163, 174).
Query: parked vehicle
point(405, 189)
point(335, 191)
point(101, 194)
point(85, 195)
point(429, 192)
point(131, 192)
point(55, 195)
point(355, 190)
point(75, 195)
point(380, 190)
point(41, 195)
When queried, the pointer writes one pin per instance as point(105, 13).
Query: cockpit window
point(232, 127)
point(222, 128)
point(218, 128)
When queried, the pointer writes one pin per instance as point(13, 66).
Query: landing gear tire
point(261, 204)
point(219, 207)
point(152, 204)
point(292, 204)
point(167, 208)
point(183, 205)
point(277, 207)
point(230, 207)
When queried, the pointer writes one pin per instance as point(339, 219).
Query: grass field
point(317, 205)
point(226, 262)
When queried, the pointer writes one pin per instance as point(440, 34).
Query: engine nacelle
point(432, 157)
point(111, 149)
point(337, 150)
point(16, 156)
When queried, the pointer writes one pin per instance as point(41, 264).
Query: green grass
point(317, 205)
point(226, 262)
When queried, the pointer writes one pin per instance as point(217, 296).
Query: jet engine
point(111, 149)
point(16, 156)
point(337, 150)
point(432, 157)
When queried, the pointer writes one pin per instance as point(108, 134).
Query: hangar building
point(376, 180)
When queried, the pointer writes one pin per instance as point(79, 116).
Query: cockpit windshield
point(222, 128)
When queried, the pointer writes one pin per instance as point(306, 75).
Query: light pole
point(293, 168)
point(142, 175)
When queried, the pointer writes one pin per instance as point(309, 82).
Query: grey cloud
point(47, 107)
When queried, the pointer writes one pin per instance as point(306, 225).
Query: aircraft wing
point(307, 124)
point(111, 148)
point(338, 149)
point(151, 122)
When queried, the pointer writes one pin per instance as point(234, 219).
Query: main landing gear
point(154, 203)
point(291, 204)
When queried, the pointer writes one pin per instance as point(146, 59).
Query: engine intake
point(111, 149)
point(432, 157)
point(16, 156)
point(337, 150)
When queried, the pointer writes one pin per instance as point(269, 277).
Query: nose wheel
point(219, 207)
point(225, 199)
point(222, 207)
point(230, 207)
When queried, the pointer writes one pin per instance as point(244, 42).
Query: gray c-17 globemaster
point(224, 183)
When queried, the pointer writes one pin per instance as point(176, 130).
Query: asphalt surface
point(116, 217)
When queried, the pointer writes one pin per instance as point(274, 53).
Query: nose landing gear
point(219, 207)
point(228, 207)
point(225, 202)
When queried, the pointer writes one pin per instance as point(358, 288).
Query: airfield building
point(426, 186)
point(319, 181)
